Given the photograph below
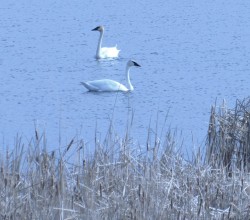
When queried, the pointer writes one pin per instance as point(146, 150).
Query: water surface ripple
point(191, 53)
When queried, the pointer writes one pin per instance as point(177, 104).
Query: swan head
point(98, 28)
point(133, 63)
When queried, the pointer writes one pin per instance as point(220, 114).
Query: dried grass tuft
point(124, 180)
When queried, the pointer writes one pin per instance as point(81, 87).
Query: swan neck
point(130, 87)
point(99, 46)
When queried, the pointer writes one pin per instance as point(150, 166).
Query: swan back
point(108, 52)
point(104, 85)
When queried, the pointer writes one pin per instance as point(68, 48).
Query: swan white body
point(104, 52)
point(108, 85)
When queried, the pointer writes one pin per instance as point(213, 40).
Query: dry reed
point(124, 180)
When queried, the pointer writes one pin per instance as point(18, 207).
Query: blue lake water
point(191, 53)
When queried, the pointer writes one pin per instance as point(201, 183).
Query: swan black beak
point(95, 29)
point(136, 64)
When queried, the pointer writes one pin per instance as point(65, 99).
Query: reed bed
point(121, 179)
point(228, 140)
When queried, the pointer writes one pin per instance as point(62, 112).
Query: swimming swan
point(108, 85)
point(104, 52)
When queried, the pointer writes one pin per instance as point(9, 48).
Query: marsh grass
point(228, 140)
point(124, 180)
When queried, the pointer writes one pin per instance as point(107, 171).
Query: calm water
point(191, 53)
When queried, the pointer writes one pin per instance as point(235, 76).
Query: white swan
point(108, 85)
point(104, 52)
